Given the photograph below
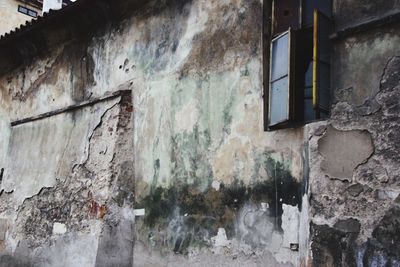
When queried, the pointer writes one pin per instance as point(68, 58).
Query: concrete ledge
point(366, 26)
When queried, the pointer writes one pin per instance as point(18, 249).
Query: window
point(298, 87)
point(321, 61)
point(279, 79)
point(36, 4)
point(27, 11)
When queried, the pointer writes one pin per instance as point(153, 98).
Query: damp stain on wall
point(183, 215)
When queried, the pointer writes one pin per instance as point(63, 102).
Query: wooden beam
point(70, 108)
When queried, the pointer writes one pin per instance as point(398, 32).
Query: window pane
point(322, 60)
point(324, 44)
point(22, 10)
point(279, 101)
point(280, 49)
point(309, 112)
point(308, 77)
point(324, 85)
point(32, 13)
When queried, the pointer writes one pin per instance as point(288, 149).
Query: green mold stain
point(192, 216)
point(188, 156)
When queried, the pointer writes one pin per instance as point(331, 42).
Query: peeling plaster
point(344, 151)
point(195, 71)
point(59, 228)
point(32, 165)
point(355, 220)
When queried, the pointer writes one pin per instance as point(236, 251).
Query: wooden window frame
point(28, 11)
point(288, 75)
point(294, 105)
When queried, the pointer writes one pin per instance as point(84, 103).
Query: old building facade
point(14, 13)
point(176, 133)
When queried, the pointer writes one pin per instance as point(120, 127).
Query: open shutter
point(280, 84)
point(321, 62)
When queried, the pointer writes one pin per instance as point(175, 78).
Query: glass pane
point(324, 44)
point(308, 77)
point(324, 85)
point(280, 50)
point(23, 10)
point(32, 13)
point(279, 101)
point(322, 88)
point(309, 112)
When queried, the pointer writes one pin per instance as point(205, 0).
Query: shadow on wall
point(11, 261)
point(182, 216)
point(336, 246)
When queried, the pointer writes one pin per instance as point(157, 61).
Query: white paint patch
point(387, 194)
point(128, 213)
point(290, 225)
point(59, 228)
point(187, 117)
point(304, 229)
point(220, 240)
point(216, 185)
point(264, 206)
point(139, 212)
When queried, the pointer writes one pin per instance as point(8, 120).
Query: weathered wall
point(200, 148)
point(215, 188)
point(352, 12)
point(65, 178)
point(206, 184)
point(354, 162)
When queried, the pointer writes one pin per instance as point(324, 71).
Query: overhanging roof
point(32, 22)
point(79, 20)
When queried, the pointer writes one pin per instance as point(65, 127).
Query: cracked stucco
point(43, 151)
point(196, 81)
point(77, 165)
point(195, 120)
point(367, 193)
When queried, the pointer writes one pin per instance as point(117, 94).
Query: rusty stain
point(96, 210)
point(129, 108)
point(102, 212)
